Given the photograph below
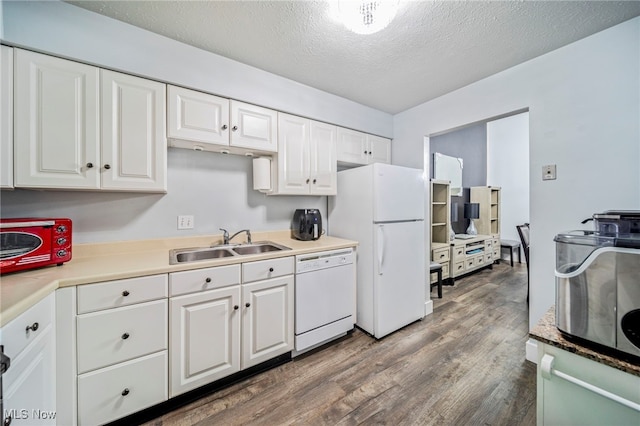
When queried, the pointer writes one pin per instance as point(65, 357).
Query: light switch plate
point(549, 172)
point(185, 222)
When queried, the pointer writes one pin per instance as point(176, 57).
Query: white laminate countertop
point(92, 263)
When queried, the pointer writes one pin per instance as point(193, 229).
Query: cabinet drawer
point(203, 279)
point(16, 336)
point(488, 243)
point(113, 392)
point(116, 335)
point(113, 294)
point(488, 258)
point(496, 243)
point(458, 268)
point(440, 255)
point(470, 263)
point(458, 252)
point(496, 254)
point(445, 270)
point(266, 269)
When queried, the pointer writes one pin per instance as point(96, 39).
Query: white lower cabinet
point(29, 385)
point(113, 357)
point(267, 320)
point(573, 390)
point(111, 393)
point(204, 338)
point(226, 327)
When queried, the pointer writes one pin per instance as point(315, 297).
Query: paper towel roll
point(262, 174)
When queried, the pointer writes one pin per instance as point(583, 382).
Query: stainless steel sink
point(196, 254)
point(258, 247)
point(221, 251)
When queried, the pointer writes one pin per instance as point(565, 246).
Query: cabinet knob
point(107, 167)
point(236, 307)
point(370, 152)
point(125, 336)
point(7, 421)
point(89, 165)
point(234, 128)
point(207, 280)
point(365, 153)
point(125, 392)
point(307, 180)
point(247, 304)
point(33, 327)
point(314, 181)
point(125, 293)
point(270, 269)
point(225, 127)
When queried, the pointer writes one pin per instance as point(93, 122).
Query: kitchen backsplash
point(215, 188)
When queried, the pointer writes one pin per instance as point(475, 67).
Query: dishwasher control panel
point(321, 260)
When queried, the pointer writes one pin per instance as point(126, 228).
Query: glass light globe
point(367, 17)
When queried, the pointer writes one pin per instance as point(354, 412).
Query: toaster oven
point(33, 242)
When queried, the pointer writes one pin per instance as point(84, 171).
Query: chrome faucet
point(226, 238)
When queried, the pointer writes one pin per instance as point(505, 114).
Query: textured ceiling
point(429, 49)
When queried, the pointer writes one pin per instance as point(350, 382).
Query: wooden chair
point(511, 245)
point(523, 232)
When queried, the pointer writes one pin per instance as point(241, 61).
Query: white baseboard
point(531, 351)
point(428, 307)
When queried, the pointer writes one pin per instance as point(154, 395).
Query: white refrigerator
point(382, 207)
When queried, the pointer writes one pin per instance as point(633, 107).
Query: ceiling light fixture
point(365, 17)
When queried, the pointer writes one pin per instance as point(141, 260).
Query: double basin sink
point(186, 255)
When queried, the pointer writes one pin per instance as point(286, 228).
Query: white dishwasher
point(325, 297)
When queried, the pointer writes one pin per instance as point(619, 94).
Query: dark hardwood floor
point(463, 365)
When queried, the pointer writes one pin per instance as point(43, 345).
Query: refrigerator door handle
point(380, 248)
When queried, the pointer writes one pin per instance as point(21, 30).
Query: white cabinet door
point(29, 385)
point(204, 338)
point(323, 159)
point(379, 149)
point(352, 147)
point(197, 117)
point(6, 117)
point(253, 127)
point(134, 143)
point(267, 320)
point(56, 122)
point(293, 155)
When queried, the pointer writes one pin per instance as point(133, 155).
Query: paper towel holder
point(262, 174)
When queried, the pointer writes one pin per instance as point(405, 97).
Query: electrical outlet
point(185, 222)
point(549, 172)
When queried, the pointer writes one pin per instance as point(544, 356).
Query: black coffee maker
point(306, 224)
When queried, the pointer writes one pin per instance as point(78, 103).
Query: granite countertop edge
point(547, 332)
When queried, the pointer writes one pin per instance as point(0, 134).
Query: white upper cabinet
point(359, 148)
point(57, 129)
point(306, 161)
point(6, 117)
point(323, 158)
point(352, 146)
point(60, 107)
point(134, 143)
point(253, 127)
point(197, 119)
point(379, 149)
point(210, 123)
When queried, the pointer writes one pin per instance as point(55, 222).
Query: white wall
point(584, 116)
point(508, 168)
point(215, 188)
point(71, 32)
